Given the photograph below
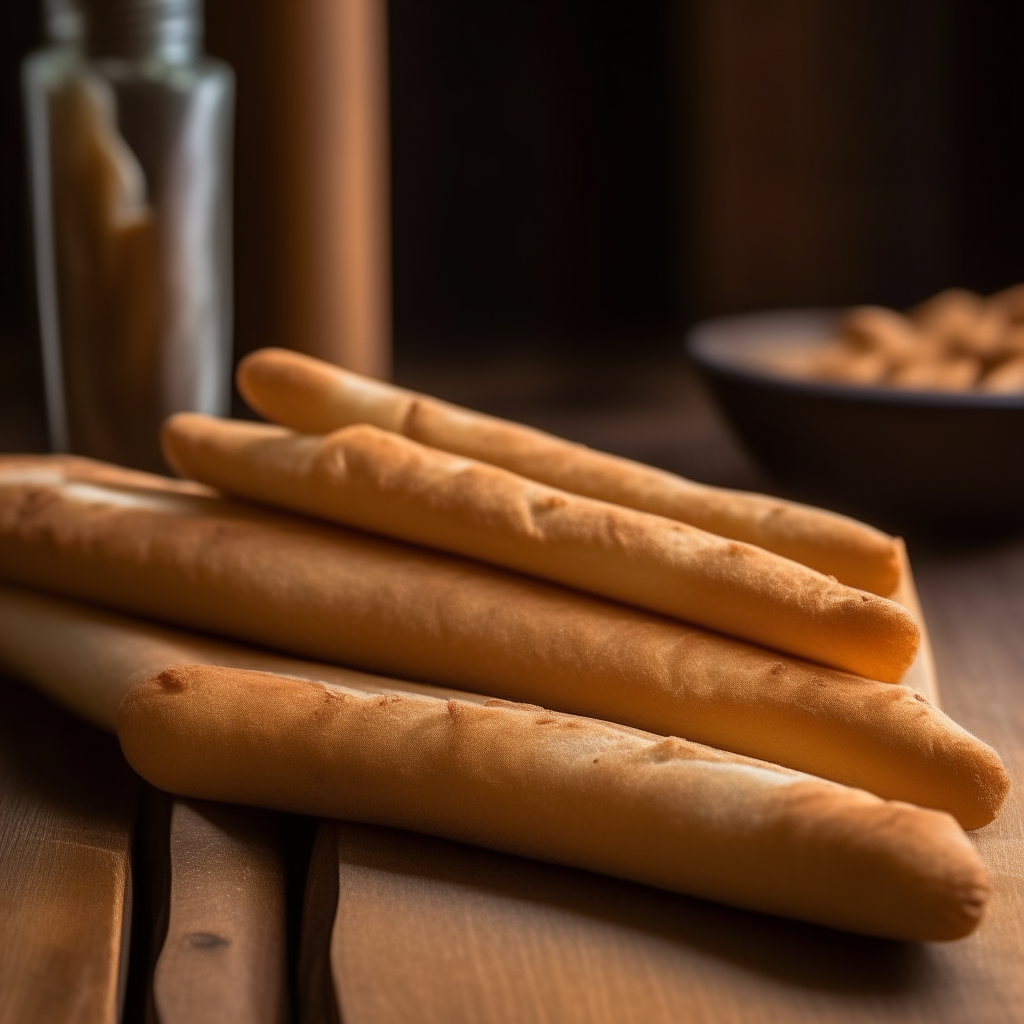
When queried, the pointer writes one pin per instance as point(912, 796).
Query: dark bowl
point(935, 462)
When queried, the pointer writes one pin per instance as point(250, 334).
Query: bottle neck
point(63, 21)
point(170, 30)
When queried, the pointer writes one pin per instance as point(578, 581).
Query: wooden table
point(429, 930)
point(67, 806)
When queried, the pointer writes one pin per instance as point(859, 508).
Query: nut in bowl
point(913, 422)
point(955, 341)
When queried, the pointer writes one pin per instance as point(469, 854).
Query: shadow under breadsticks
point(500, 902)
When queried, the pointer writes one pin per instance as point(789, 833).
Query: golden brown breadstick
point(314, 397)
point(376, 480)
point(110, 270)
point(87, 658)
point(560, 788)
point(170, 551)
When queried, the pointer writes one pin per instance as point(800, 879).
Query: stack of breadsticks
point(955, 341)
point(723, 669)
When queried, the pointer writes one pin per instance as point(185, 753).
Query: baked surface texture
point(174, 552)
point(561, 788)
point(87, 658)
point(315, 397)
point(376, 480)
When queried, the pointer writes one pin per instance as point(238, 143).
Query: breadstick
point(86, 658)
point(314, 397)
point(564, 789)
point(174, 552)
point(89, 659)
point(375, 480)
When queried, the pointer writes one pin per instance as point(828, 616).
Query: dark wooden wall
point(536, 184)
point(853, 150)
point(19, 32)
point(583, 177)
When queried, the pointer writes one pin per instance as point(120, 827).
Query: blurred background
point(574, 182)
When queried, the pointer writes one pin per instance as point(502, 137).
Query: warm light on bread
point(173, 552)
point(87, 658)
point(380, 481)
point(560, 788)
point(316, 398)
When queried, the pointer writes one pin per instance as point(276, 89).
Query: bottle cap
point(171, 29)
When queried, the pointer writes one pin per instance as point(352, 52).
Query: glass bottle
point(130, 146)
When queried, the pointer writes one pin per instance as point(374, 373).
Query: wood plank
point(974, 602)
point(439, 932)
point(67, 807)
point(317, 995)
point(223, 957)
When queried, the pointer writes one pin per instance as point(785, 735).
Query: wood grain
point(223, 957)
point(67, 806)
